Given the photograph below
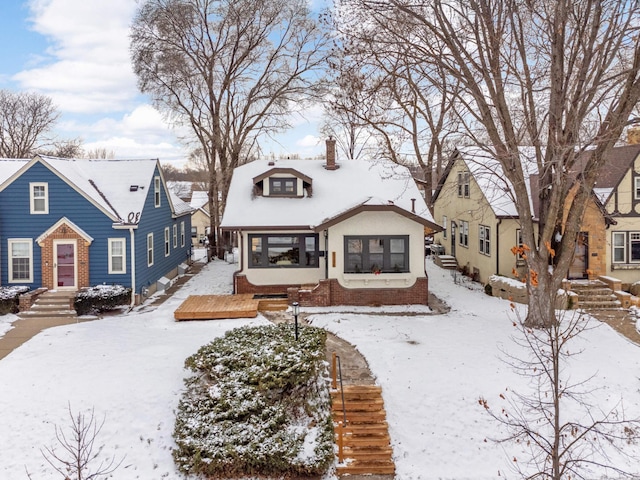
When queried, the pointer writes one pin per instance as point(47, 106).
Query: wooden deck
point(210, 307)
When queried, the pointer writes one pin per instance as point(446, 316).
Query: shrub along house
point(68, 224)
point(328, 233)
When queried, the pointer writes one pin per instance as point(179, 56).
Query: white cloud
point(309, 141)
point(87, 66)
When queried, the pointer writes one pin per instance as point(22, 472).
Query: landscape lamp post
point(296, 310)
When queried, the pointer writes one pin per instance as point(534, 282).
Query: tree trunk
point(542, 288)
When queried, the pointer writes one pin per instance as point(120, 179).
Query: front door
point(64, 268)
point(580, 262)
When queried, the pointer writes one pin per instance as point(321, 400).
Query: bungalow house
point(475, 205)
point(329, 233)
point(69, 223)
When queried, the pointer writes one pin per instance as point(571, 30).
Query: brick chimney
point(331, 155)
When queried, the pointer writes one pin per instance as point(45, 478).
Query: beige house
point(475, 205)
point(327, 233)
point(618, 188)
point(200, 218)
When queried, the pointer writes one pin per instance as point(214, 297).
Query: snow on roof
point(603, 194)
point(180, 207)
point(356, 182)
point(117, 187)
point(10, 167)
point(199, 198)
point(489, 175)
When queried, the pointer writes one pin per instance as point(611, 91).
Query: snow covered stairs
point(448, 262)
point(365, 439)
point(52, 304)
point(595, 295)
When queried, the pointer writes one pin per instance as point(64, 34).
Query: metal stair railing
point(335, 375)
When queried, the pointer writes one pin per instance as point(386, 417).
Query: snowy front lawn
point(258, 403)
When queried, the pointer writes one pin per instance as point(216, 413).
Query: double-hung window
point(150, 249)
point(20, 260)
point(167, 244)
point(376, 254)
point(444, 225)
point(463, 233)
point(117, 251)
point(175, 236)
point(636, 188)
point(283, 250)
point(156, 191)
point(625, 247)
point(485, 239)
point(182, 235)
point(463, 184)
point(39, 196)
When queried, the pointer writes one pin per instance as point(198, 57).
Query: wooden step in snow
point(365, 438)
point(272, 305)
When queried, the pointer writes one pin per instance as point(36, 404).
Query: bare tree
point(64, 149)
point(77, 455)
point(26, 120)
point(408, 105)
point(232, 70)
point(561, 76)
point(100, 152)
point(556, 425)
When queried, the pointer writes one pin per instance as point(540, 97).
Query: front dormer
point(282, 182)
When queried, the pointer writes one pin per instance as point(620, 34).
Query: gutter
point(498, 246)
point(133, 267)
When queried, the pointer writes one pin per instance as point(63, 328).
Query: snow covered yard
point(433, 369)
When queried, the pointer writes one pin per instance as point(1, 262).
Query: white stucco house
point(324, 233)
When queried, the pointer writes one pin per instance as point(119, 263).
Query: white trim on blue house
point(64, 221)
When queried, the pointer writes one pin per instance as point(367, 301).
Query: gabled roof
point(488, 174)
point(618, 161)
point(116, 187)
point(199, 198)
point(358, 184)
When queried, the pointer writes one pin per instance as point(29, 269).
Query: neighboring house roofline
point(276, 228)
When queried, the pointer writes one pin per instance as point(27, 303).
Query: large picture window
point(20, 261)
point(117, 255)
point(376, 254)
point(284, 250)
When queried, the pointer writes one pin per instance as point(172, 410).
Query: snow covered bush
point(101, 298)
point(258, 404)
point(9, 299)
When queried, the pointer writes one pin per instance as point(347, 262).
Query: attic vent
point(271, 164)
point(133, 188)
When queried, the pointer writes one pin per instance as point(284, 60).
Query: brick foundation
point(330, 292)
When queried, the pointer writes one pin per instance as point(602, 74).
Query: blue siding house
point(72, 223)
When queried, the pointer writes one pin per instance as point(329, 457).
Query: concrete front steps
point(595, 295)
point(448, 262)
point(52, 304)
point(366, 446)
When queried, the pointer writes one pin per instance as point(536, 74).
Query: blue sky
point(76, 52)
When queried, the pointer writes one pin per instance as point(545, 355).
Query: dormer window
point(283, 186)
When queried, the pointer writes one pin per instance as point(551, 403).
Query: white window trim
point(123, 255)
point(10, 258)
point(156, 191)
point(444, 225)
point(636, 188)
point(150, 253)
point(182, 233)
point(463, 234)
point(623, 247)
point(32, 198)
point(484, 244)
point(167, 242)
point(175, 235)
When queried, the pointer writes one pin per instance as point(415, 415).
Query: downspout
point(326, 254)
point(498, 246)
point(133, 267)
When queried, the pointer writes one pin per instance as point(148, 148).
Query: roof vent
point(133, 188)
point(271, 163)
